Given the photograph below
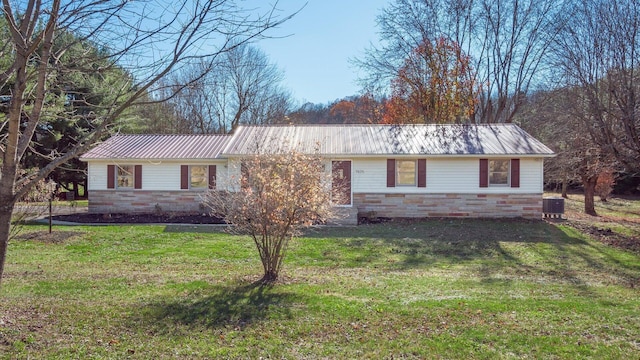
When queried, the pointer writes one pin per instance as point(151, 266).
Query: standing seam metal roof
point(429, 139)
point(159, 147)
point(331, 140)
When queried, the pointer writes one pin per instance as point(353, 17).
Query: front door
point(341, 183)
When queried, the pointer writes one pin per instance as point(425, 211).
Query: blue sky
point(323, 37)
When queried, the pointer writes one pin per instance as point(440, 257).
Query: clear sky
point(323, 37)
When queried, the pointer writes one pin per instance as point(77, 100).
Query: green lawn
point(433, 289)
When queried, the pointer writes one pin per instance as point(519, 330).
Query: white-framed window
point(499, 172)
point(124, 176)
point(198, 177)
point(406, 172)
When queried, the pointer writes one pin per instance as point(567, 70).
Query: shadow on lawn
point(218, 306)
point(538, 249)
point(431, 241)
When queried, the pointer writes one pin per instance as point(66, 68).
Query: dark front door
point(341, 182)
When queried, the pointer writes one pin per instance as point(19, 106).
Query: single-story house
point(390, 170)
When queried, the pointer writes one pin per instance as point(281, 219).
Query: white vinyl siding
point(155, 175)
point(444, 175)
point(161, 176)
point(97, 176)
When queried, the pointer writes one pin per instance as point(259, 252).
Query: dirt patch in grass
point(55, 237)
point(165, 218)
point(613, 216)
point(607, 236)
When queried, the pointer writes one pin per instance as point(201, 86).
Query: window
point(406, 172)
point(124, 177)
point(499, 172)
point(198, 177)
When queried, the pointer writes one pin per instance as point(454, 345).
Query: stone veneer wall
point(143, 201)
point(367, 204)
point(449, 205)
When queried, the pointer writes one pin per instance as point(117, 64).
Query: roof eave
point(151, 159)
point(232, 155)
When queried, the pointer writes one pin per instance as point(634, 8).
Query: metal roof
point(158, 147)
point(361, 140)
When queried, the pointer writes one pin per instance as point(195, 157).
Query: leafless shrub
point(273, 198)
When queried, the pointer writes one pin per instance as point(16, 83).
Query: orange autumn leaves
point(435, 84)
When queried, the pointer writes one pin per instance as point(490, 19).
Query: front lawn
point(432, 289)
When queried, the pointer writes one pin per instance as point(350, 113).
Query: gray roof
point(363, 140)
point(330, 140)
point(185, 147)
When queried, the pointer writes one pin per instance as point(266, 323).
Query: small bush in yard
point(275, 196)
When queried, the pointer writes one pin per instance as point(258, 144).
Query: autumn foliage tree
point(605, 184)
point(507, 41)
point(434, 85)
point(276, 195)
point(363, 109)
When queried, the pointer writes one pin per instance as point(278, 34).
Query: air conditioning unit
point(553, 207)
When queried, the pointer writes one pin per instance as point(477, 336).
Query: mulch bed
point(167, 218)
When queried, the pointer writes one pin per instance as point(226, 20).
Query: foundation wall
point(367, 204)
point(144, 201)
point(449, 205)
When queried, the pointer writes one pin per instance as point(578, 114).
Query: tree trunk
point(269, 277)
point(7, 197)
point(271, 270)
point(589, 183)
point(565, 185)
point(5, 228)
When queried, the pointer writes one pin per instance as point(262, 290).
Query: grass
point(430, 289)
point(62, 203)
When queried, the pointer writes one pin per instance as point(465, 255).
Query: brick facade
point(449, 205)
point(144, 201)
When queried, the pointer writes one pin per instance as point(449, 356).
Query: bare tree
point(507, 41)
point(549, 117)
point(240, 87)
point(148, 39)
point(544, 116)
point(598, 55)
point(276, 195)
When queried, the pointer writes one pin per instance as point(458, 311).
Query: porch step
point(346, 216)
